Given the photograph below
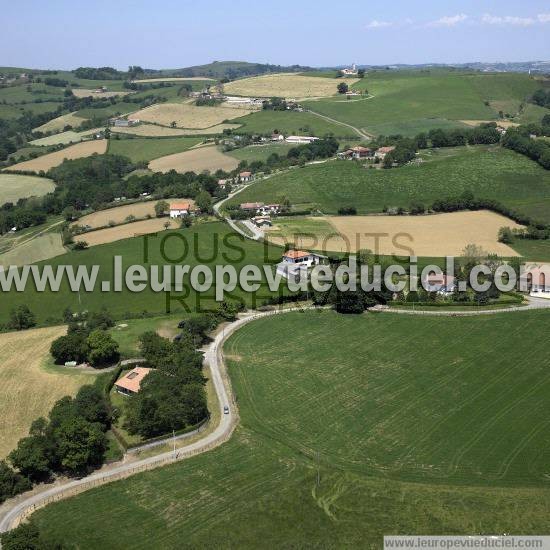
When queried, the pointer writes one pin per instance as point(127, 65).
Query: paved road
point(14, 510)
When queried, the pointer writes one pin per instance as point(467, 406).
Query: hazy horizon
point(173, 34)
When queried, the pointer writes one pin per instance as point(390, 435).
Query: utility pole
point(318, 470)
point(174, 439)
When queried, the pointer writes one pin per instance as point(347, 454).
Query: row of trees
point(519, 139)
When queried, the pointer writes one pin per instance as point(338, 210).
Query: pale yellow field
point(51, 160)
point(120, 213)
point(36, 249)
point(63, 138)
point(435, 235)
point(186, 115)
point(135, 229)
point(27, 389)
point(152, 130)
point(57, 124)
point(195, 160)
point(173, 79)
point(285, 85)
point(504, 123)
point(80, 92)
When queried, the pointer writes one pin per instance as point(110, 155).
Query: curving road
point(17, 509)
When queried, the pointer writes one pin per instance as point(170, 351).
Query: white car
point(226, 410)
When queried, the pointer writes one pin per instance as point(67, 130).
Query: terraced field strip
point(51, 160)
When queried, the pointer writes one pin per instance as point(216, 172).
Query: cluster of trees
point(519, 140)
point(57, 82)
point(172, 396)
point(27, 536)
point(483, 134)
point(99, 73)
point(71, 440)
point(542, 97)
point(87, 339)
point(275, 104)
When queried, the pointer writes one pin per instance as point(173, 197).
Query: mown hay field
point(196, 160)
point(35, 249)
point(436, 235)
point(288, 85)
point(134, 229)
point(379, 424)
point(432, 235)
point(17, 186)
point(63, 138)
point(27, 389)
point(59, 123)
point(152, 130)
point(174, 79)
point(51, 160)
point(120, 213)
point(81, 92)
point(186, 115)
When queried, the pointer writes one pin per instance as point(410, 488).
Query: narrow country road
point(358, 131)
point(15, 510)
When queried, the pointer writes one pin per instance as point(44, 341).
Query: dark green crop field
point(489, 172)
point(146, 149)
point(292, 123)
point(207, 243)
point(351, 428)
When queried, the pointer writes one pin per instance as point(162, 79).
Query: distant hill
point(231, 69)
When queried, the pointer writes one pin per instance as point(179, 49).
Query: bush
point(72, 347)
point(347, 211)
point(103, 350)
point(11, 482)
point(21, 318)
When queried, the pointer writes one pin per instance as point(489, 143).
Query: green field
point(489, 172)
point(146, 149)
point(535, 250)
point(379, 424)
point(214, 243)
point(14, 187)
point(292, 123)
point(409, 102)
point(260, 152)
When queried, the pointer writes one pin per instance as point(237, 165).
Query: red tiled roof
point(294, 254)
point(131, 381)
point(180, 206)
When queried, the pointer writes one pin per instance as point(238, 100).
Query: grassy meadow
point(207, 243)
point(408, 102)
point(489, 172)
point(146, 149)
point(15, 186)
point(292, 123)
point(350, 440)
point(260, 152)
